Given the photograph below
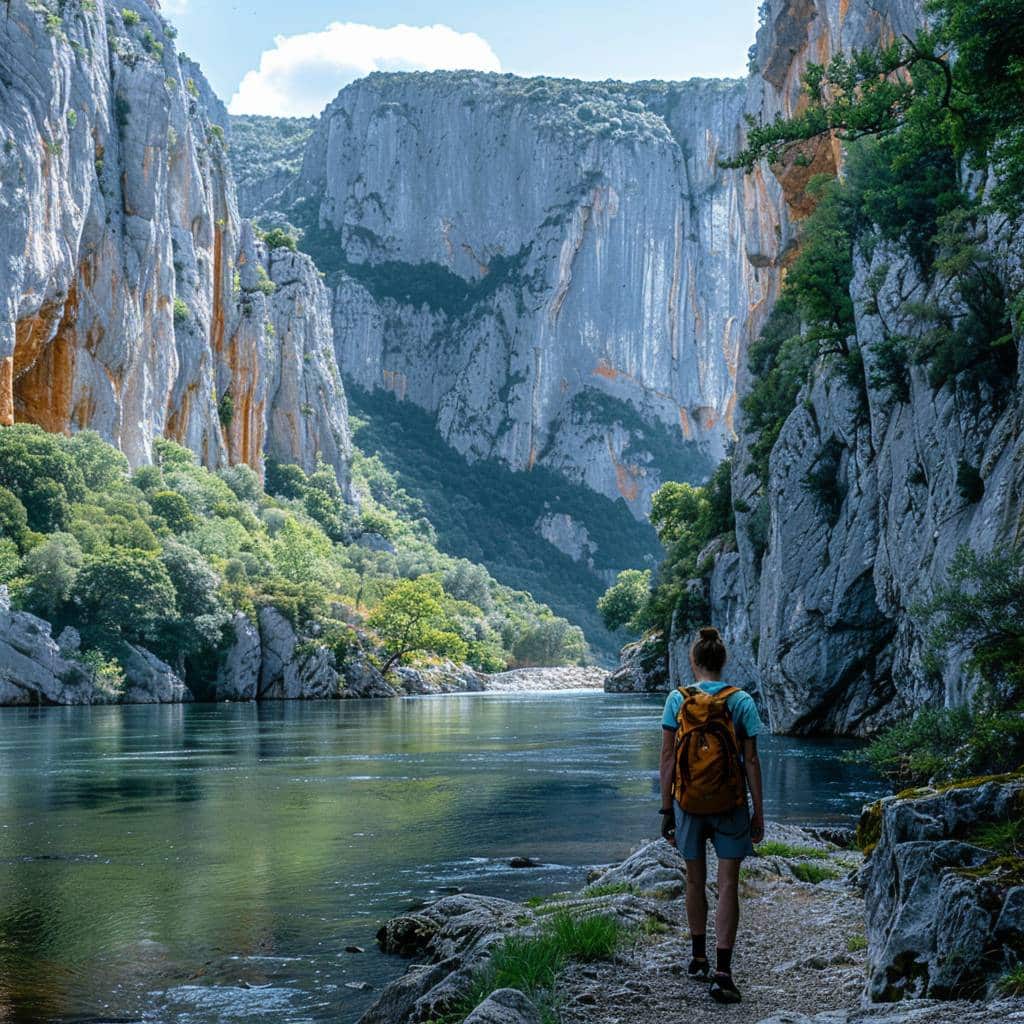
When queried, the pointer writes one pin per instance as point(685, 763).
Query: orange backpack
point(709, 775)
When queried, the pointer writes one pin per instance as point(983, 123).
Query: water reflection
point(170, 862)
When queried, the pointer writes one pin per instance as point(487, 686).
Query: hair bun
point(709, 633)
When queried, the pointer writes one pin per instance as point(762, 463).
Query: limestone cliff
point(556, 269)
point(127, 297)
point(820, 614)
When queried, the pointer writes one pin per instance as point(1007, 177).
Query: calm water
point(210, 863)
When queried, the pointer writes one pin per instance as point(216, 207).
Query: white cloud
point(303, 73)
point(175, 6)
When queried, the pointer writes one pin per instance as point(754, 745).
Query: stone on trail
point(656, 869)
point(506, 1006)
point(523, 862)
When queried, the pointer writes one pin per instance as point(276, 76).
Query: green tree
point(173, 509)
point(48, 575)
point(412, 620)
point(198, 626)
point(125, 594)
point(622, 603)
point(13, 517)
point(103, 466)
point(324, 502)
point(550, 641)
point(285, 479)
point(38, 469)
point(299, 552)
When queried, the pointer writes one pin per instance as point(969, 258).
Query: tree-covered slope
point(489, 514)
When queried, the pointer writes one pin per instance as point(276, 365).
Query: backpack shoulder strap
point(726, 692)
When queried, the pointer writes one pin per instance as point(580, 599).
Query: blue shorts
point(730, 833)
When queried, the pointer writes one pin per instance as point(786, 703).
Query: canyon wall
point(556, 269)
point(133, 299)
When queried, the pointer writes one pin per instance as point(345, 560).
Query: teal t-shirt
point(745, 718)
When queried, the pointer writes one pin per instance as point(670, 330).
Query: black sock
point(724, 960)
point(700, 947)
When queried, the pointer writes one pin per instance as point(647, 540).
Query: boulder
point(448, 927)
point(239, 673)
point(33, 669)
point(656, 869)
point(943, 912)
point(148, 680)
point(506, 1006)
point(643, 668)
point(361, 679)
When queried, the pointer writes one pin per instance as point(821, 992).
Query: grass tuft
point(773, 849)
point(815, 873)
point(611, 889)
point(856, 943)
point(531, 963)
point(1012, 982)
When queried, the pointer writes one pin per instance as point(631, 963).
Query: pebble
point(354, 949)
point(359, 986)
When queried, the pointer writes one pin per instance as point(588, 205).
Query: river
point(210, 863)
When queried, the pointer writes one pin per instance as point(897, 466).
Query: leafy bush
point(979, 609)
point(621, 604)
point(129, 17)
point(182, 314)
point(279, 238)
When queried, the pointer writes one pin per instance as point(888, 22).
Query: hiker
point(708, 758)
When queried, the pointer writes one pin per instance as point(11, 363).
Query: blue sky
point(599, 39)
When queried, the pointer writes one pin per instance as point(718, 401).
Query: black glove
point(668, 826)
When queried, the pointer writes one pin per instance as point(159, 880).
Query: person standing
point(708, 760)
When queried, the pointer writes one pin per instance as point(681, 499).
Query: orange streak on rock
point(7, 391)
point(44, 366)
point(684, 424)
point(606, 370)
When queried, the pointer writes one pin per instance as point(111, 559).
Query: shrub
point(174, 510)
point(263, 282)
point(182, 314)
point(622, 603)
point(279, 238)
point(129, 17)
point(226, 409)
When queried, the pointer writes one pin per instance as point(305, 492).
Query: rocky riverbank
point(811, 950)
point(267, 660)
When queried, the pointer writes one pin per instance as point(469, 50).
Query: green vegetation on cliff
point(485, 512)
point(163, 556)
point(980, 610)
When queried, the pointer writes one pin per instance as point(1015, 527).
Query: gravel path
point(792, 954)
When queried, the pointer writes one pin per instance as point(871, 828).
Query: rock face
point(33, 669)
point(945, 916)
point(36, 669)
point(131, 300)
point(559, 267)
point(830, 600)
point(643, 668)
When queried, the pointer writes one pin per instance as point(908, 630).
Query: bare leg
point(696, 896)
point(727, 918)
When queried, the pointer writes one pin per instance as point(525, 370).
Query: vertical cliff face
point(121, 247)
point(556, 269)
point(821, 617)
